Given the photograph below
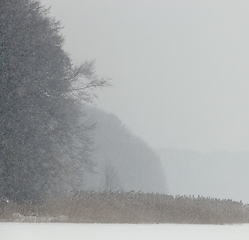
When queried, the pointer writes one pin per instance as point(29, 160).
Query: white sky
point(180, 68)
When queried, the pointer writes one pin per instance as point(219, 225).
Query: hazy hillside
point(123, 161)
point(218, 174)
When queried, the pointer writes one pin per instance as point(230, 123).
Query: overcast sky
point(180, 68)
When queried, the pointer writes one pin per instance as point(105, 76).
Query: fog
point(179, 72)
point(220, 174)
point(122, 161)
point(179, 68)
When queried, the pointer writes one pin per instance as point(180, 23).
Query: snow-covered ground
point(64, 231)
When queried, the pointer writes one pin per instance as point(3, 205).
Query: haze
point(179, 68)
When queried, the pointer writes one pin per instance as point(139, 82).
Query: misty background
point(180, 82)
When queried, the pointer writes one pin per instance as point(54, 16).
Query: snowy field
point(60, 231)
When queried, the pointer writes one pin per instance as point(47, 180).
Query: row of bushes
point(128, 207)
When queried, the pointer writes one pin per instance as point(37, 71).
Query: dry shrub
point(123, 207)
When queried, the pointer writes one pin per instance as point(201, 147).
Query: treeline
point(129, 207)
point(42, 94)
point(122, 161)
point(48, 143)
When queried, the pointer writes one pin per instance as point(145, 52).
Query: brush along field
point(127, 207)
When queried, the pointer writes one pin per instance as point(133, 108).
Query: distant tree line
point(220, 174)
point(123, 161)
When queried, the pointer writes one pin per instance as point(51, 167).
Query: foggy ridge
point(219, 174)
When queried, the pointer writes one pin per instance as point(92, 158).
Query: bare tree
point(111, 180)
